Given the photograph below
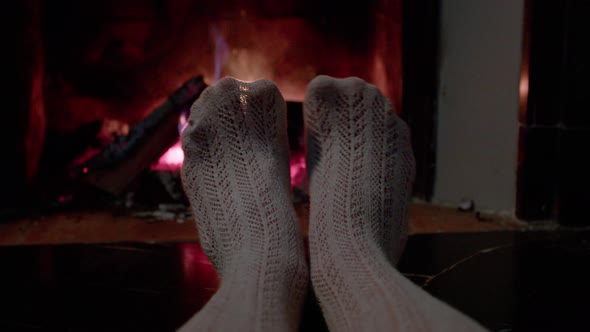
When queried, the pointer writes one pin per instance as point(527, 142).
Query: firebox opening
point(119, 77)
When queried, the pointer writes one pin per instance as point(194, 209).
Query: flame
point(221, 53)
point(248, 65)
point(244, 64)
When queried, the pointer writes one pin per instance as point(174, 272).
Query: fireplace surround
point(97, 69)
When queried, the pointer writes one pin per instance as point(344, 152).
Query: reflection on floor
point(507, 280)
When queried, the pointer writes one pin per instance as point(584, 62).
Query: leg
point(236, 175)
point(361, 169)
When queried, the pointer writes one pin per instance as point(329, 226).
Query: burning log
point(115, 168)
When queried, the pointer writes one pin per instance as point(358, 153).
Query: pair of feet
point(360, 167)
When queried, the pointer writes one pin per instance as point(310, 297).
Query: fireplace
point(99, 72)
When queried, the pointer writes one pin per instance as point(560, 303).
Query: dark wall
point(21, 138)
point(420, 76)
point(554, 168)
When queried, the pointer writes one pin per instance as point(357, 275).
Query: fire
point(173, 158)
point(245, 64)
point(221, 53)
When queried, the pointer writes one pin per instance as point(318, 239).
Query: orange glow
point(524, 88)
point(237, 54)
point(244, 64)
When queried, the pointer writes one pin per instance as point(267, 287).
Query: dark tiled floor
point(509, 281)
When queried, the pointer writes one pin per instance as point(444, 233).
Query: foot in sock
point(236, 175)
point(361, 169)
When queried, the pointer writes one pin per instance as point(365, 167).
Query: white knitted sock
point(361, 169)
point(236, 175)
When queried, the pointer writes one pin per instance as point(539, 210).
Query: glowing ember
point(171, 160)
point(298, 169)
